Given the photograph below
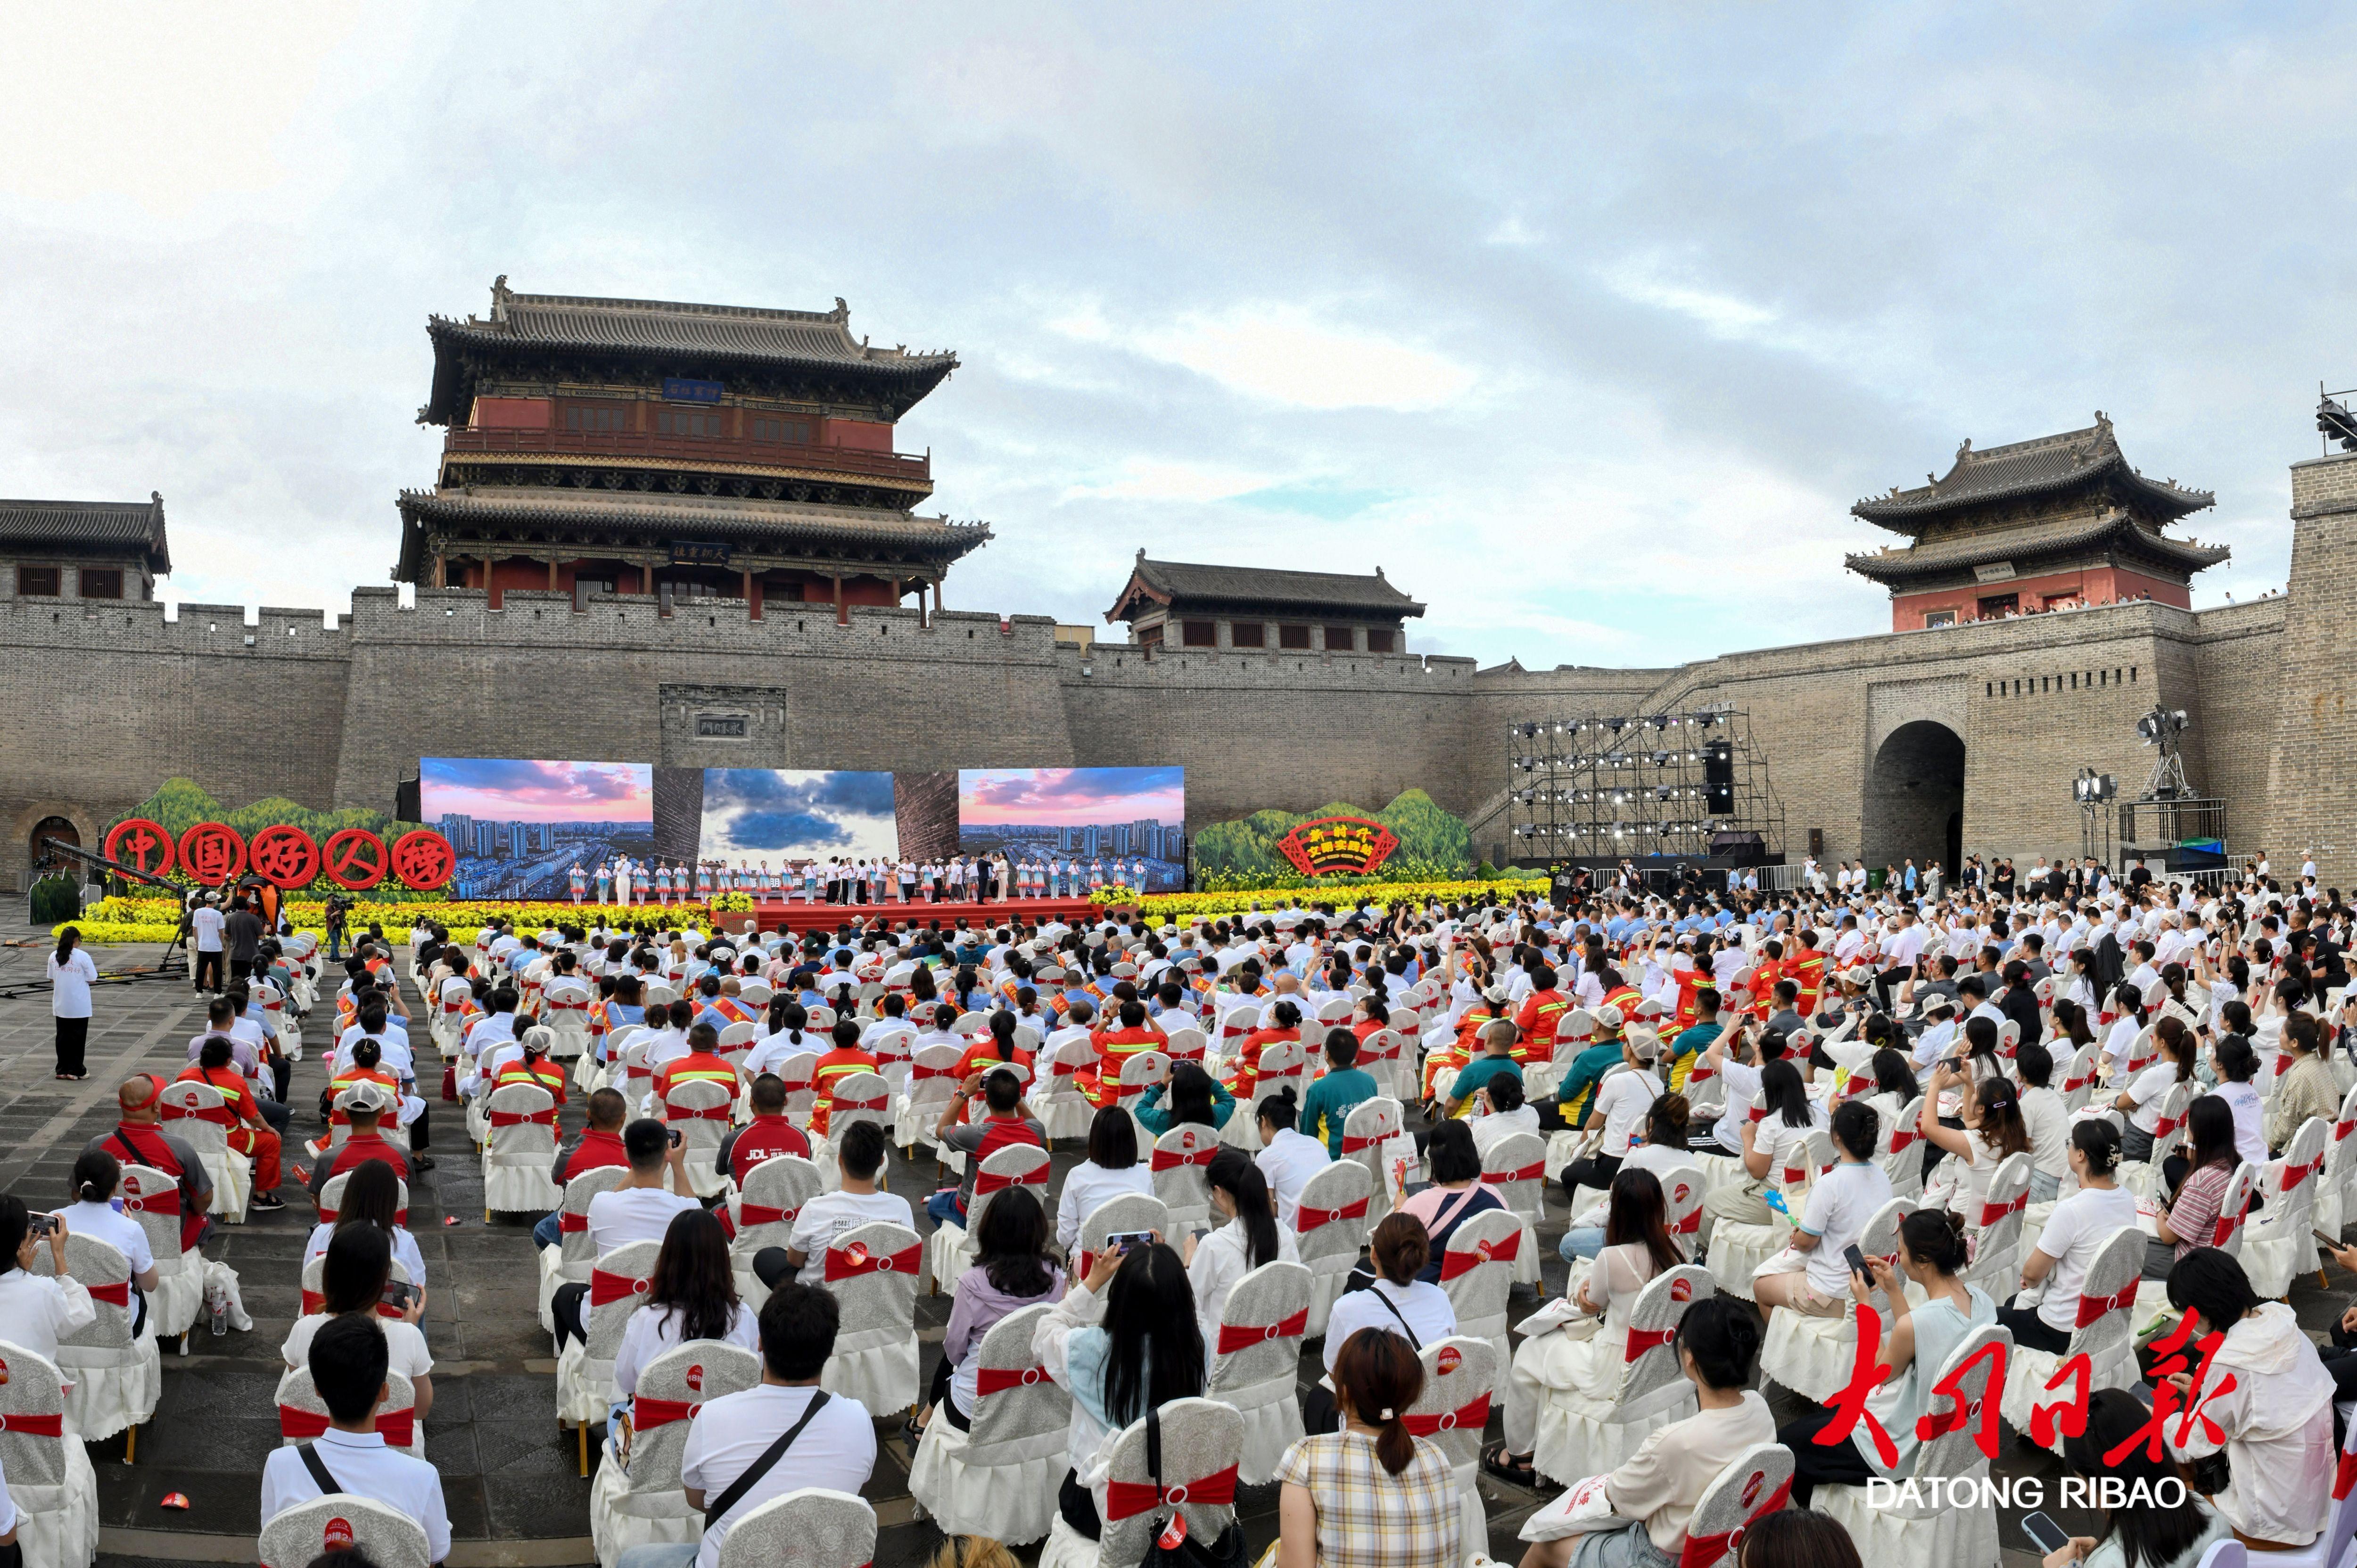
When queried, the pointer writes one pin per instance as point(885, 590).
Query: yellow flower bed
point(1185, 905)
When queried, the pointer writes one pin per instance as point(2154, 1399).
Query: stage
point(796, 916)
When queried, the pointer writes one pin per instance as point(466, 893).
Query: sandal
point(912, 1432)
point(1497, 1461)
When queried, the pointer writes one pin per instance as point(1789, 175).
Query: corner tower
point(2052, 523)
point(638, 447)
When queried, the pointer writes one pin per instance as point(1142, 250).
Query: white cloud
point(1286, 355)
point(1145, 480)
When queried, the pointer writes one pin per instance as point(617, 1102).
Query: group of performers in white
point(959, 879)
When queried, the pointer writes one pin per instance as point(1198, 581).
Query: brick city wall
point(102, 702)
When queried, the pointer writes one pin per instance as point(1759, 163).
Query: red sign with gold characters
point(1328, 846)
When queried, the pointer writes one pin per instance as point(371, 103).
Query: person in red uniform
point(139, 1138)
point(996, 1049)
point(600, 1143)
point(1003, 1123)
point(369, 1101)
point(767, 1136)
point(702, 1063)
point(1805, 969)
point(1543, 1009)
point(534, 1068)
point(1101, 1084)
point(846, 1059)
point(251, 1135)
point(1284, 1024)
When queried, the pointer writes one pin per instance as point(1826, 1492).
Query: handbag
point(1225, 1551)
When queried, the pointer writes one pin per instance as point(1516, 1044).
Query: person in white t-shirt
point(349, 1357)
point(95, 1174)
point(2143, 1098)
point(2076, 1230)
point(834, 1446)
point(2046, 1117)
point(1840, 1203)
point(1287, 1158)
point(641, 1210)
point(1621, 1108)
point(352, 1282)
point(693, 1296)
point(860, 1156)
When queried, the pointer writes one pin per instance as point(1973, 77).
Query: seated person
point(348, 1360)
point(2159, 1535)
point(352, 1282)
point(1659, 1486)
point(858, 1201)
point(1457, 1192)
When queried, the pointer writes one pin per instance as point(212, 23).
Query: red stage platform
point(797, 916)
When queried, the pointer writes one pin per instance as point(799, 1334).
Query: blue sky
point(1587, 324)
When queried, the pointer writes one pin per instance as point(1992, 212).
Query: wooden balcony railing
point(692, 449)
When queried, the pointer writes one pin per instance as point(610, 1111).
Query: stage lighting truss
point(1617, 785)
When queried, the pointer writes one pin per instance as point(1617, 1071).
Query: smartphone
point(675, 1139)
point(1857, 1261)
point(2333, 1243)
point(1123, 1240)
point(2044, 1533)
point(40, 1226)
point(398, 1295)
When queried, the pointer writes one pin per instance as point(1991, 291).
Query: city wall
point(100, 703)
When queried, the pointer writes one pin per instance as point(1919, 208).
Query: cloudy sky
point(506, 789)
point(1070, 797)
point(1587, 324)
point(755, 813)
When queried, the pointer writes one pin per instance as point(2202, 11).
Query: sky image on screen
point(784, 816)
point(1088, 815)
point(520, 825)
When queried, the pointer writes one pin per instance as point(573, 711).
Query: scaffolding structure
point(1597, 789)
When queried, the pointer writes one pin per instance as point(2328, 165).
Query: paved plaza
point(508, 1471)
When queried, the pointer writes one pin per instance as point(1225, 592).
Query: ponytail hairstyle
point(1276, 1109)
point(1234, 1173)
point(782, 1008)
point(1286, 1015)
point(2073, 1019)
point(1935, 1236)
point(1002, 1033)
point(2000, 1108)
point(66, 941)
point(1666, 1123)
point(95, 1171)
point(1380, 1377)
point(2173, 1037)
point(2099, 1141)
point(945, 1016)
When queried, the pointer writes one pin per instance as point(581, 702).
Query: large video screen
point(778, 817)
point(1131, 816)
point(521, 826)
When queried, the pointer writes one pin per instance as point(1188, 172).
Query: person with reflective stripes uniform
point(250, 1134)
point(846, 1059)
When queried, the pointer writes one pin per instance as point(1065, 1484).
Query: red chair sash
point(1171, 1159)
point(1309, 1218)
point(2295, 1174)
point(1643, 1339)
point(876, 1104)
point(1127, 1499)
point(397, 1427)
point(990, 1381)
point(646, 1415)
point(1993, 1212)
point(987, 1181)
point(843, 1263)
point(571, 1224)
point(1455, 1262)
point(1528, 1173)
point(1471, 1417)
point(2344, 1477)
point(2222, 1232)
point(1900, 1137)
point(1702, 1551)
point(606, 1288)
point(166, 1202)
point(1235, 1336)
point(747, 1215)
point(518, 1118)
point(1690, 1223)
point(2167, 1125)
point(709, 1114)
point(116, 1294)
point(219, 1115)
point(921, 1072)
point(2093, 1307)
point(34, 1425)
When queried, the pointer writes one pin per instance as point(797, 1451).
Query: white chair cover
point(637, 1499)
point(48, 1469)
point(872, 1271)
point(585, 1368)
point(1202, 1440)
point(1995, 1230)
point(1812, 1356)
point(564, 1008)
point(1366, 1131)
point(152, 1198)
point(1333, 1227)
point(1061, 1108)
point(810, 1527)
point(1918, 1528)
point(1123, 1212)
point(1477, 1270)
point(699, 1108)
point(1180, 1157)
point(1747, 1491)
point(932, 1084)
point(949, 1251)
point(1516, 1166)
point(570, 1260)
point(521, 1120)
point(1578, 1435)
point(387, 1536)
point(116, 1378)
point(195, 1112)
point(1450, 1412)
point(302, 1414)
point(2281, 1244)
point(998, 1478)
point(2105, 1335)
point(1256, 1362)
point(762, 1213)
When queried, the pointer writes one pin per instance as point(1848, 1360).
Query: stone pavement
point(508, 1471)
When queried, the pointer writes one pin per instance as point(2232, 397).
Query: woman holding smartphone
point(353, 1280)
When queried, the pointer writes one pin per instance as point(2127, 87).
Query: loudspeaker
point(1718, 777)
point(404, 801)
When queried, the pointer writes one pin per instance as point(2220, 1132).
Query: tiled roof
point(82, 527)
point(1195, 585)
point(2047, 463)
point(559, 515)
point(700, 336)
point(2031, 540)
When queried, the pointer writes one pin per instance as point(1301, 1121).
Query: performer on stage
point(578, 881)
